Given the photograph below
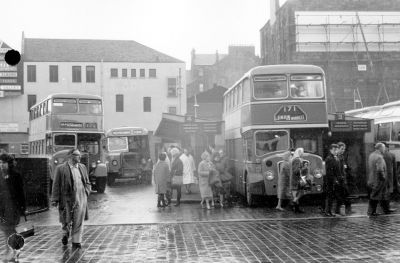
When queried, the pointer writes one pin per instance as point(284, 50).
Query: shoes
point(328, 214)
point(64, 240)
point(279, 208)
point(373, 214)
point(76, 246)
point(178, 204)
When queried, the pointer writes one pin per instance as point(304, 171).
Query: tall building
point(137, 83)
point(210, 70)
point(357, 43)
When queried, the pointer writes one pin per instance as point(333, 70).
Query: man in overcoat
point(332, 173)
point(390, 161)
point(342, 188)
point(71, 188)
point(377, 180)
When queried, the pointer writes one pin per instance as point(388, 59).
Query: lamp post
point(196, 106)
point(180, 91)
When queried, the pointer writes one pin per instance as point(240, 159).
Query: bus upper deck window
point(64, 106)
point(270, 86)
point(306, 86)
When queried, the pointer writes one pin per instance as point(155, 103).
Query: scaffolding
point(355, 32)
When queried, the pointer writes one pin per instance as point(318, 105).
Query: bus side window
point(396, 131)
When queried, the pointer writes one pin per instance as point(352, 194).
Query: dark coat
point(161, 177)
point(177, 170)
point(12, 198)
point(296, 173)
point(390, 161)
point(63, 190)
point(377, 176)
point(332, 167)
point(283, 191)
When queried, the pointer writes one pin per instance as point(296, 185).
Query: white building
point(137, 83)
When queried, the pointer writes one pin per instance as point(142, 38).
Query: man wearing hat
point(71, 187)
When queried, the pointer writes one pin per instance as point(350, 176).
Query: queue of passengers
point(176, 168)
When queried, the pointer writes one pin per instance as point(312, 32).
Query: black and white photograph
point(220, 131)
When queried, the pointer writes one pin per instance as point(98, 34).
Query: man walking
point(342, 188)
point(332, 171)
point(377, 180)
point(71, 187)
point(390, 161)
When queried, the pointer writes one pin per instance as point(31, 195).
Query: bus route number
point(290, 113)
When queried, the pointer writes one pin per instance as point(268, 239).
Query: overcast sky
point(173, 27)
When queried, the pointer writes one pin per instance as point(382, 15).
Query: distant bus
point(128, 154)
point(270, 110)
point(386, 124)
point(62, 122)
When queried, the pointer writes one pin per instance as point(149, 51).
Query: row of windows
point(238, 95)
point(37, 147)
point(124, 73)
point(53, 73)
point(119, 98)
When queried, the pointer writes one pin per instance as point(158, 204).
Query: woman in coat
point(161, 177)
point(284, 180)
point(297, 165)
point(204, 170)
point(12, 198)
point(176, 175)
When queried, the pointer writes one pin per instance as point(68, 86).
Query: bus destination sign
point(350, 126)
point(77, 125)
point(290, 113)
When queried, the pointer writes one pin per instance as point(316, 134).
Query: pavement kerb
point(238, 220)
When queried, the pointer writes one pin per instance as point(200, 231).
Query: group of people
point(176, 168)
point(294, 179)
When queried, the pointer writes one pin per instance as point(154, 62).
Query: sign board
point(202, 127)
point(8, 74)
point(340, 116)
point(8, 127)
point(362, 67)
point(4, 50)
point(7, 81)
point(350, 126)
point(71, 124)
point(290, 113)
point(190, 127)
point(10, 87)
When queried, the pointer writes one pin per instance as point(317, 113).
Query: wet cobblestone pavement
point(310, 240)
point(126, 226)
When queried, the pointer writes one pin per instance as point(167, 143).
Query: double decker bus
point(386, 124)
point(62, 122)
point(128, 154)
point(270, 110)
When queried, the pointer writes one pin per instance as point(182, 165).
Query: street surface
point(126, 226)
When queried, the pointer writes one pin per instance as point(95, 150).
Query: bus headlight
point(318, 187)
point(114, 162)
point(56, 161)
point(98, 161)
point(93, 164)
point(317, 173)
point(269, 175)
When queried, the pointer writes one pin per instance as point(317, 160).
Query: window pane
point(53, 73)
point(152, 73)
point(147, 104)
point(31, 73)
point(89, 106)
point(64, 106)
point(76, 74)
point(117, 144)
point(171, 87)
point(119, 102)
point(137, 143)
point(64, 140)
point(133, 73)
point(172, 110)
point(124, 73)
point(306, 86)
point(270, 86)
point(114, 73)
point(31, 101)
point(383, 133)
point(90, 74)
point(142, 73)
point(271, 141)
point(246, 90)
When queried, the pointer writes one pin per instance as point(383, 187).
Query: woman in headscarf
point(12, 199)
point(204, 170)
point(297, 165)
point(284, 180)
point(161, 178)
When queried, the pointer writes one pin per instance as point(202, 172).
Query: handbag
point(177, 180)
point(25, 229)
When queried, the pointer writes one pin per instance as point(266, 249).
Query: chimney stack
point(273, 8)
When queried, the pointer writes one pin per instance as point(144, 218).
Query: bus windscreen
point(306, 86)
point(271, 141)
point(88, 106)
point(118, 144)
point(270, 86)
point(64, 106)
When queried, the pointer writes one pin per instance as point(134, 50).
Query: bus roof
point(69, 96)
point(119, 131)
point(279, 69)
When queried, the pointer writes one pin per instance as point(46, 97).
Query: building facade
point(357, 43)
point(13, 134)
point(137, 83)
point(210, 70)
